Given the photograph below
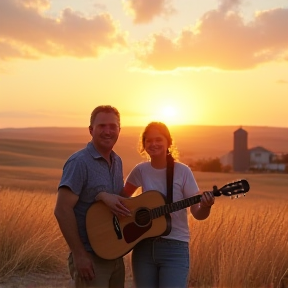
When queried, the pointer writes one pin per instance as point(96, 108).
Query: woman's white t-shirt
point(184, 186)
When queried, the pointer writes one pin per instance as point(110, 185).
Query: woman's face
point(155, 143)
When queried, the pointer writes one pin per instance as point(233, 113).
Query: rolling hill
point(50, 147)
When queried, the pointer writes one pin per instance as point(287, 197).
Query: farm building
point(241, 158)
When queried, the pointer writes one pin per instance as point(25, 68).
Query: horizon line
point(141, 126)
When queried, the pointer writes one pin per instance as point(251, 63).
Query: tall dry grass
point(30, 238)
point(242, 244)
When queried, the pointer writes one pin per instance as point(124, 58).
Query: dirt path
point(44, 281)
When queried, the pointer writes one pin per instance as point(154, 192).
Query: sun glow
point(168, 112)
point(171, 105)
point(169, 115)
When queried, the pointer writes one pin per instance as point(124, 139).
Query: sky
point(183, 62)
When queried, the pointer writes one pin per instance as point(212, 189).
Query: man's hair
point(105, 109)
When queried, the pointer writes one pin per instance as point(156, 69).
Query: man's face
point(105, 131)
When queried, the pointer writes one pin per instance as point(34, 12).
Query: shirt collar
point(95, 154)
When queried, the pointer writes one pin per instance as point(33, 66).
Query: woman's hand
point(207, 200)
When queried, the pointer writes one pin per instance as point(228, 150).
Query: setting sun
point(174, 112)
point(168, 114)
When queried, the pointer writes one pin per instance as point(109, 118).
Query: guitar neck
point(175, 206)
point(231, 189)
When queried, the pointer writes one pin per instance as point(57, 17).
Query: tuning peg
point(238, 196)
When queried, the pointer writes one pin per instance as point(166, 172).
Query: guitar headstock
point(233, 188)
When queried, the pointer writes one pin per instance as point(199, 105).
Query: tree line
point(215, 165)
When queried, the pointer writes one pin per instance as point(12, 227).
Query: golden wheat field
point(244, 242)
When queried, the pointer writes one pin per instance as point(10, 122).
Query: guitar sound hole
point(142, 217)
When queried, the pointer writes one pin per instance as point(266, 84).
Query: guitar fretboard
point(175, 206)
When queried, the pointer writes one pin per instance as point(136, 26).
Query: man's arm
point(65, 216)
point(114, 202)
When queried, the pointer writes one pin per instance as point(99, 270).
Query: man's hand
point(114, 202)
point(83, 265)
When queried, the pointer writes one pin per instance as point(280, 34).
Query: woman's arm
point(202, 210)
point(128, 190)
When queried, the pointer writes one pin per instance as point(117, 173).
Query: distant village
point(258, 159)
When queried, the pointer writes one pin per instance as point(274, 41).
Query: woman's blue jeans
point(160, 263)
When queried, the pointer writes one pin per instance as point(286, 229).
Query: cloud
point(14, 118)
point(227, 5)
point(221, 39)
point(282, 81)
point(144, 11)
point(38, 5)
point(8, 51)
point(27, 33)
point(35, 114)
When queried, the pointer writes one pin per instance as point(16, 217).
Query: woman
point(164, 261)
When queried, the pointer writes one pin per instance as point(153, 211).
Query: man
point(94, 169)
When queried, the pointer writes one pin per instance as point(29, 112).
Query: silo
point(241, 159)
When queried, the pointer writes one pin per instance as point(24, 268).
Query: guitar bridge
point(117, 228)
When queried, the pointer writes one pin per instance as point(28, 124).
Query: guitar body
point(114, 236)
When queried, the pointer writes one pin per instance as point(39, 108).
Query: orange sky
point(177, 61)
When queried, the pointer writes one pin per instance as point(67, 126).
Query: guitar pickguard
point(132, 231)
point(116, 226)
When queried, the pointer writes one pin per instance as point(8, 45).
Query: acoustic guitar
point(113, 236)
